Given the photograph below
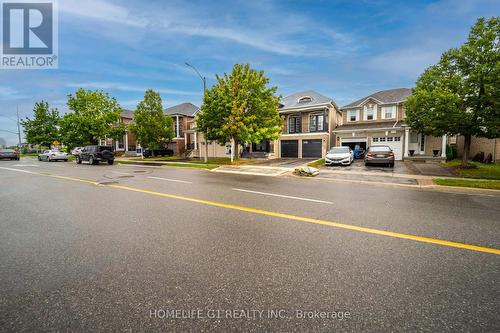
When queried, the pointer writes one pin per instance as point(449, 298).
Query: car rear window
point(384, 149)
point(103, 148)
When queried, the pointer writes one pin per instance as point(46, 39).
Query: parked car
point(75, 151)
point(339, 156)
point(96, 154)
point(10, 154)
point(379, 155)
point(157, 152)
point(53, 155)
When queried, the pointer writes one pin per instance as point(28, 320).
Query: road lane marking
point(20, 170)
point(282, 196)
point(171, 180)
point(391, 234)
point(26, 165)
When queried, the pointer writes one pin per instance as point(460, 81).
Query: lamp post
point(204, 80)
point(18, 133)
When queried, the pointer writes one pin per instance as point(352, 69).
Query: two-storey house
point(378, 119)
point(308, 121)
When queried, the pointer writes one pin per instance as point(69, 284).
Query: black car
point(157, 152)
point(10, 154)
point(96, 154)
point(379, 155)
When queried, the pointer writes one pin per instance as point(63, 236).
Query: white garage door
point(395, 142)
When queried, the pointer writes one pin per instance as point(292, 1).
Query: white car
point(53, 155)
point(76, 151)
point(340, 156)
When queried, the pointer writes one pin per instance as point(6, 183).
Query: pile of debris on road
point(306, 171)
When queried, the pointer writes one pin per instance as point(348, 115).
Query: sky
point(342, 49)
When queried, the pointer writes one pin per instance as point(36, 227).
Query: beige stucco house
point(379, 119)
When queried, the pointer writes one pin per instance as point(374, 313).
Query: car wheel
point(78, 160)
point(110, 162)
point(91, 160)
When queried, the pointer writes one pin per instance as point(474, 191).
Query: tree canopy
point(151, 127)
point(93, 115)
point(43, 129)
point(240, 108)
point(460, 95)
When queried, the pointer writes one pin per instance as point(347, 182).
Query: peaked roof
point(293, 101)
point(384, 96)
point(183, 109)
point(127, 114)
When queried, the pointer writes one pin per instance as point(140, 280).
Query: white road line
point(20, 170)
point(171, 180)
point(26, 165)
point(283, 196)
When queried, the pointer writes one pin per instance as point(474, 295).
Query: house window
point(294, 124)
point(397, 138)
point(305, 99)
point(382, 139)
point(389, 112)
point(422, 142)
point(370, 111)
point(316, 122)
point(353, 115)
point(390, 138)
point(375, 139)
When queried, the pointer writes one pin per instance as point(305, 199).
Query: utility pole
point(18, 128)
point(204, 79)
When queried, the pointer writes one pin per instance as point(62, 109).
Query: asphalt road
point(239, 253)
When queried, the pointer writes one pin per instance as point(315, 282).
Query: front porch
point(423, 148)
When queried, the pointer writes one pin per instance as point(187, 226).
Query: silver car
point(339, 156)
point(53, 155)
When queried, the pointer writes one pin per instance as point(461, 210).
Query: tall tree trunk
point(465, 156)
point(206, 151)
point(232, 150)
point(251, 149)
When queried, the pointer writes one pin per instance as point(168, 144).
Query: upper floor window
point(352, 115)
point(294, 123)
point(316, 122)
point(305, 99)
point(370, 112)
point(389, 112)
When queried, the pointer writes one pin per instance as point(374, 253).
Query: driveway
point(284, 162)
point(359, 166)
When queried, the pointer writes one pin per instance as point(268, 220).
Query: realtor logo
point(29, 34)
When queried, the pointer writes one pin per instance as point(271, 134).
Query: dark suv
point(96, 154)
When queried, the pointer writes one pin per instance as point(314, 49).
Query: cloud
point(275, 35)
point(8, 93)
point(128, 88)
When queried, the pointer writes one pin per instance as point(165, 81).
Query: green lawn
point(485, 184)
point(29, 154)
point(317, 163)
point(212, 161)
point(174, 164)
point(477, 171)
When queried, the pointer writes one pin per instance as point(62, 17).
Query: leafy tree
point(460, 95)
point(43, 129)
point(93, 115)
point(151, 127)
point(240, 108)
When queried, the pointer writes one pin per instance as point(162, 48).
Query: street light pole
point(18, 127)
point(204, 80)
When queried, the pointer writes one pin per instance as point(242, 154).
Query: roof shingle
point(384, 96)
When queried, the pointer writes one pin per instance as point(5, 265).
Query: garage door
point(392, 141)
point(311, 148)
point(290, 148)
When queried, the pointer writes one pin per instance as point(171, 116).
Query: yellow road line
point(293, 217)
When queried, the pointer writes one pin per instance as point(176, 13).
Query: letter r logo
point(27, 27)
